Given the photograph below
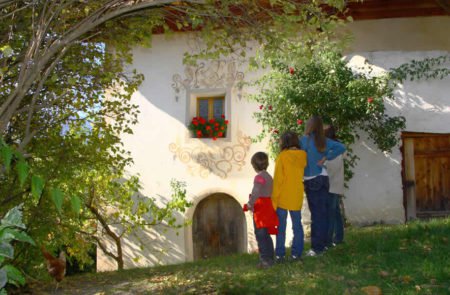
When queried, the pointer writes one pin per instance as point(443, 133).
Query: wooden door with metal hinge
point(426, 174)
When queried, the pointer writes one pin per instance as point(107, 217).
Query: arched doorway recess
point(218, 227)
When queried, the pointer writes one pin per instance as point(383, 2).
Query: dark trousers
point(335, 222)
point(265, 245)
point(317, 195)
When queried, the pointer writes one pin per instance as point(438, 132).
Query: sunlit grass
point(404, 259)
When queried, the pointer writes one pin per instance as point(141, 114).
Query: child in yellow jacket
point(288, 193)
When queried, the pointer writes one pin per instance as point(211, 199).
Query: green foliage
point(266, 30)
point(37, 186)
point(6, 156)
point(63, 116)
point(326, 86)
point(11, 229)
point(428, 68)
point(58, 198)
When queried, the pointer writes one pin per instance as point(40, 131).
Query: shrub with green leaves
point(326, 86)
point(11, 229)
point(351, 100)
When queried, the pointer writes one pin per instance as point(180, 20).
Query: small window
point(210, 107)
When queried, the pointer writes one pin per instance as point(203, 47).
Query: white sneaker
point(311, 253)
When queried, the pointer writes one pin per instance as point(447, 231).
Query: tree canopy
point(65, 100)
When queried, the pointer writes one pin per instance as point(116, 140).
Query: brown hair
point(314, 126)
point(260, 161)
point(330, 132)
point(288, 140)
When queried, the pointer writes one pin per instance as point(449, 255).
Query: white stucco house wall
point(163, 148)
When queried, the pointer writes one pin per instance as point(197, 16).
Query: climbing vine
point(428, 68)
point(350, 100)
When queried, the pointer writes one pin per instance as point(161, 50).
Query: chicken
point(56, 266)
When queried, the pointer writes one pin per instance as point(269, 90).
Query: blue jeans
point(335, 224)
point(297, 228)
point(317, 195)
point(265, 245)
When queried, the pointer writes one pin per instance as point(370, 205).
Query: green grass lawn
point(405, 259)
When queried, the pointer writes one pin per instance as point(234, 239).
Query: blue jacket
point(333, 149)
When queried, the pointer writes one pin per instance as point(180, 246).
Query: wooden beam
point(376, 9)
point(433, 154)
point(407, 134)
point(444, 4)
point(410, 178)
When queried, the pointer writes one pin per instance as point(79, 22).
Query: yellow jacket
point(288, 180)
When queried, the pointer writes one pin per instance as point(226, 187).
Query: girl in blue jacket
point(318, 150)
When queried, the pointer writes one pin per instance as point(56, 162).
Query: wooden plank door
point(426, 159)
point(218, 227)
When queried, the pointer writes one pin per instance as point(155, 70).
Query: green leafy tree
point(38, 36)
point(127, 211)
point(12, 229)
point(350, 99)
point(65, 90)
point(325, 85)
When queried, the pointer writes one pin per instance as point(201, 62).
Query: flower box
point(212, 128)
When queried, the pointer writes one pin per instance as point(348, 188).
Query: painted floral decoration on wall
point(203, 160)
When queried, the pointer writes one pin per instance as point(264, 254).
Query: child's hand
point(321, 161)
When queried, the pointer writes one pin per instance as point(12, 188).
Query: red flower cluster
point(291, 71)
point(269, 107)
point(212, 128)
point(370, 99)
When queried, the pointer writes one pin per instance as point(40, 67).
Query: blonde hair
point(314, 126)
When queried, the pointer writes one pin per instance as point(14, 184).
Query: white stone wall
point(375, 192)
point(162, 148)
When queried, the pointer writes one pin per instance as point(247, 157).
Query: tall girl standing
point(318, 149)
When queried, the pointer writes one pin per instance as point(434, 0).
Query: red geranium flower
point(276, 131)
point(214, 138)
point(291, 70)
point(270, 108)
point(261, 107)
point(208, 127)
point(370, 100)
point(299, 121)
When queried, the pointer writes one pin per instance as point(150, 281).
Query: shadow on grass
point(405, 259)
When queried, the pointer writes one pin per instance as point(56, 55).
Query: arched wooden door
point(218, 227)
